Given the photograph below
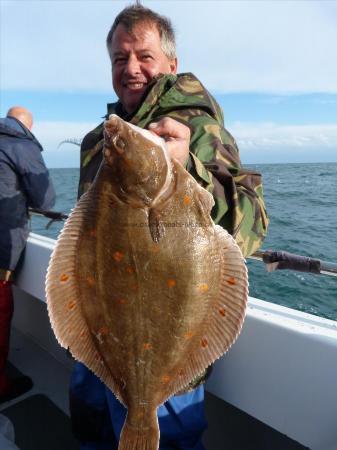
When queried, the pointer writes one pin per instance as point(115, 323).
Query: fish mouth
point(112, 135)
point(111, 129)
point(114, 142)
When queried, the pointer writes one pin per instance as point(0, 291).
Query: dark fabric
point(90, 418)
point(6, 312)
point(24, 182)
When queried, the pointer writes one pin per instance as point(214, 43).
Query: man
point(151, 95)
point(24, 182)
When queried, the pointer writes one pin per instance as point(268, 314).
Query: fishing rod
point(54, 216)
point(74, 141)
point(273, 259)
point(280, 260)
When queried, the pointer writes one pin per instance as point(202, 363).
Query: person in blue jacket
point(24, 183)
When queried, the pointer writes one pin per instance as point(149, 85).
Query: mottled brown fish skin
point(149, 278)
point(147, 286)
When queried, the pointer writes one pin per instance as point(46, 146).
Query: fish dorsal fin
point(65, 313)
point(225, 321)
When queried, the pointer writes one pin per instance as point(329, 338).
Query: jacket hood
point(9, 126)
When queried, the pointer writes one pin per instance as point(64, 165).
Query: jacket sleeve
point(34, 178)
point(238, 194)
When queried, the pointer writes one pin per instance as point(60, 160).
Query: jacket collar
point(169, 92)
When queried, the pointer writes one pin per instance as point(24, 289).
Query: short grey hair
point(135, 14)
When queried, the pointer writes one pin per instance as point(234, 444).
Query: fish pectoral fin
point(156, 227)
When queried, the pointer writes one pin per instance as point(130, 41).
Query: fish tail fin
point(140, 438)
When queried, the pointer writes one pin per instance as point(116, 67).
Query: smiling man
point(137, 57)
point(151, 95)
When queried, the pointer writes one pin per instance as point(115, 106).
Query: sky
point(271, 64)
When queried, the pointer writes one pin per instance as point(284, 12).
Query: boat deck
point(41, 416)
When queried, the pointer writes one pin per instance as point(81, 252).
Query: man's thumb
point(153, 125)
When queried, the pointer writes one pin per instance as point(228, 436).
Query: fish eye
point(119, 143)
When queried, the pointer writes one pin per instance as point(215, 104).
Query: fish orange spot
point(188, 335)
point(128, 162)
point(171, 282)
point(231, 281)
point(104, 331)
point(203, 287)
point(122, 301)
point(98, 357)
point(118, 256)
point(91, 280)
point(147, 346)
point(92, 233)
point(71, 305)
point(187, 200)
point(222, 311)
point(165, 379)
point(129, 269)
point(155, 248)
point(64, 277)
point(204, 343)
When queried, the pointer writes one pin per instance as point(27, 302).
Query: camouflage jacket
point(214, 156)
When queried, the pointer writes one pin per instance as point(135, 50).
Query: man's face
point(136, 59)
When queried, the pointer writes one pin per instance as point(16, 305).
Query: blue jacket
point(24, 182)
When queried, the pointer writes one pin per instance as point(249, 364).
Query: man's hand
point(176, 135)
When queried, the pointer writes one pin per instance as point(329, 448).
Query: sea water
point(302, 206)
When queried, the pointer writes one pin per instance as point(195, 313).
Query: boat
point(275, 389)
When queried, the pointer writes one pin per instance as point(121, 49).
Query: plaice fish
point(142, 287)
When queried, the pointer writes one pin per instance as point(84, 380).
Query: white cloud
point(258, 142)
point(271, 135)
point(56, 132)
point(274, 46)
point(270, 142)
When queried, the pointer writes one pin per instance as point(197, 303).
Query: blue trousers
point(97, 416)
